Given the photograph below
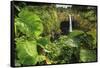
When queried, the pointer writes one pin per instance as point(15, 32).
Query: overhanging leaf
point(32, 21)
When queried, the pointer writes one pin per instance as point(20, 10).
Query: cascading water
point(70, 23)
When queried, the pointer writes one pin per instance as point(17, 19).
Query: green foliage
point(43, 41)
point(90, 15)
point(26, 46)
point(87, 55)
point(48, 16)
point(75, 33)
point(86, 41)
point(54, 52)
point(41, 58)
point(92, 33)
point(67, 41)
point(20, 27)
point(26, 51)
point(29, 21)
point(61, 51)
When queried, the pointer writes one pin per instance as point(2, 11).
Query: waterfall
point(70, 23)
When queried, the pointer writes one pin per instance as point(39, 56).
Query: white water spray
point(70, 23)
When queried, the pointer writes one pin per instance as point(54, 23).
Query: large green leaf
point(32, 21)
point(26, 51)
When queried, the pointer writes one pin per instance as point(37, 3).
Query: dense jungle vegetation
point(40, 39)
